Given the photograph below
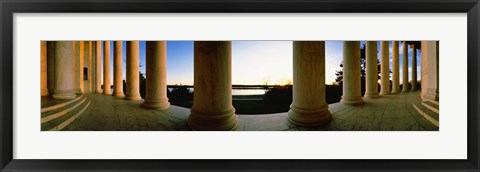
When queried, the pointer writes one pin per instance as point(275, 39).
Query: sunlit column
point(63, 70)
point(117, 69)
point(212, 104)
point(156, 88)
point(371, 90)
point(309, 107)
point(133, 65)
point(395, 68)
point(50, 66)
point(351, 73)
point(385, 69)
point(106, 68)
point(405, 84)
point(429, 56)
point(98, 68)
point(80, 66)
point(43, 75)
point(77, 66)
point(414, 68)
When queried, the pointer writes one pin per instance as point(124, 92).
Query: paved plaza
point(388, 113)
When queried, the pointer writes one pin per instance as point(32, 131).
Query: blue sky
point(253, 62)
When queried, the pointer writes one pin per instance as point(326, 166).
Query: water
point(240, 92)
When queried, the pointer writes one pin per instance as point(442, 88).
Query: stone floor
point(389, 113)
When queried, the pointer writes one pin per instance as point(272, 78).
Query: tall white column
point(106, 68)
point(414, 68)
point(371, 90)
point(385, 69)
point(98, 68)
point(395, 68)
point(43, 75)
point(405, 84)
point(156, 73)
point(309, 107)
point(212, 104)
point(133, 65)
point(117, 70)
point(429, 89)
point(63, 70)
point(351, 73)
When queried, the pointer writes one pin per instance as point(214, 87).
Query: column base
point(309, 117)
point(384, 93)
point(64, 95)
point(158, 104)
point(118, 94)
point(432, 94)
point(222, 121)
point(368, 96)
point(133, 97)
point(44, 92)
point(395, 91)
point(354, 101)
point(107, 92)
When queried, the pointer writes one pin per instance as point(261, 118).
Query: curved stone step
point(58, 106)
point(433, 107)
point(61, 122)
point(427, 114)
point(57, 113)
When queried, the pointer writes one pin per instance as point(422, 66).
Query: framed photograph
point(239, 85)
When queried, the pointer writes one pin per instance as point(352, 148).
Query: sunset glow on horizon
point(253, 62)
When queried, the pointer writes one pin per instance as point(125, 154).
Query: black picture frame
point(9, 7)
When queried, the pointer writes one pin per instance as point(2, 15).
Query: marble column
point(117, 69)
point(429, 56)
point(405, 84)
point(395, 68)
point(156, 73)
point(43, 75)
point(212, 104)
point(63, 70)
point(78, 65)
point(133, 65)
point(414, 68)
point(309, 106)
point(83, 55)
point(351, 73)
point(371, 90)
point(50, 67)
point(106, 68)
point(384, 69)
point(98, 68)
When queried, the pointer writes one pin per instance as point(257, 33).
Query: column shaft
point(395, 68)
point(156, 73)
point(106, 68)
point(351, 73)
point(405, 84)
point(309, 107)
point(212, 104)
point(371, 70)
point(50, 66)
point(77, 67)
point(414, 68)
point(385, 69)
point(63, 70)
point(117, 70)
point(43, 75)
point(83, 54)
point(133, 75)
point(98, 68)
